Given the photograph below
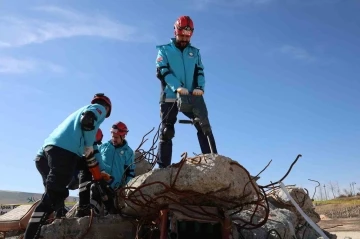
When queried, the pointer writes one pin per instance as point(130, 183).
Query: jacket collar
point(119, 147)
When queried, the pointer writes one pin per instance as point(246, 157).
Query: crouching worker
point(116, 161)
point(89, 172)
point(63, 149)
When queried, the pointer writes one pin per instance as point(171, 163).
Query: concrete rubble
point(204, 181)
point(108, 227)
point(279, 199)
point(142, 165)
point(209, 177)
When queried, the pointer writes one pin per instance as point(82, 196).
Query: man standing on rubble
point(63, 148)
point(181, 71)
point(116, 161)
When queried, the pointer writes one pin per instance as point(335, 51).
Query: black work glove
point(106, 188)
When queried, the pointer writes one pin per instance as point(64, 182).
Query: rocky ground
point(340, 217)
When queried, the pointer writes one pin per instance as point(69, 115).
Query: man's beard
point(182, 44)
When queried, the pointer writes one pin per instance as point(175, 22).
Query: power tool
point(196, 105)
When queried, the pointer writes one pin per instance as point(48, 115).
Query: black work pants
point(168, 113)
point(42, 166)
point(85, 179)
point(62, 164)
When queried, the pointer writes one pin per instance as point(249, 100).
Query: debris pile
point(211, 189)
point(205, 196)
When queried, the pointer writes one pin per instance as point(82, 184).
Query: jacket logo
point(191, 54)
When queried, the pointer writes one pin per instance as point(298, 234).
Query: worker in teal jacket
point(116, 157)
point(63, 149)
point(180, 70)
point(116, 161)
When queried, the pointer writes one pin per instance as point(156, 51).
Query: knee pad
point(168, 132)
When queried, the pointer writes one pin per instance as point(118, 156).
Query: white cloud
point(54, 22)
point(235, 4)
point(314, 2)
point(202, 4)
point(11, 65)
point(297, 53)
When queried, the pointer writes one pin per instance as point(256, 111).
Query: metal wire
point(257, 209)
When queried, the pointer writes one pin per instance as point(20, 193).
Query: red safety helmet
point(101, 98)
point(184, 26)
point(99, 136)
point(120, 129)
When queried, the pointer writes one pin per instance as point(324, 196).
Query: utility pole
point(353, 188)
point(326, 198)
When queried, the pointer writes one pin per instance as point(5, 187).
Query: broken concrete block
point(280, 221)
point(108, 227)
point(141, 164)
point(210, 181)
point(279, 199)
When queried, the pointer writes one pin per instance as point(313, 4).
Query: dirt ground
point(348, 228)
point(341, 226)
point(347, 235)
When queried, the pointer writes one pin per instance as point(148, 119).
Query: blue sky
point(282, 79)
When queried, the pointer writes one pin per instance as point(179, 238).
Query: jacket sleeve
point(100, 113)
point(200, 73)
point(103, 166)
point(164, 71)
point(129, 167)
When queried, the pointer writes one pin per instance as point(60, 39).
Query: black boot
point(39, 217)
point(61, 213)
point(110, 207)
point(83, 211)
point(84, 207)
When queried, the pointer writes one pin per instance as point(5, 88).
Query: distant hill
point(14, 197)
